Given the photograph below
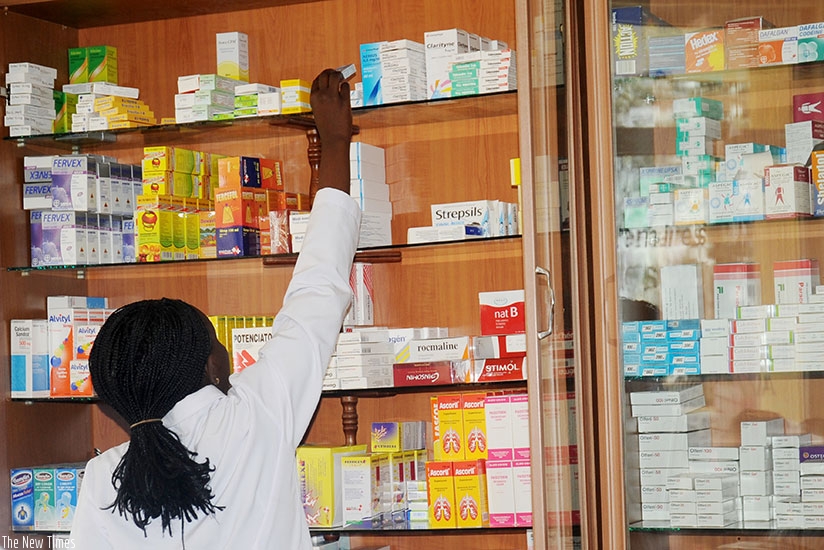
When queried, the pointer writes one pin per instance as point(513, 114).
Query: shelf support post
point(349, 418)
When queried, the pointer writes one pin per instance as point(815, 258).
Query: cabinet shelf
point(404, 526)
point(389, 254)
point(379, 116)
point(733, 529)
point(439, 388)
point(675, 380)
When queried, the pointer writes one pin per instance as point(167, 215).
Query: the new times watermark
point(7, 542)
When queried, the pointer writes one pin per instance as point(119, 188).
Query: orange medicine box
point(704, 51)
point(235, 206)
point(451, 427)
point(271, 174)
point(238, 171)
point(474, 425)
point(470, 493)
point(440, 489)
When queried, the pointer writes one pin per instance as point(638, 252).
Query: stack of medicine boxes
point(483, 72)
point(31, 108)
point(667, 428)
point(204, 97)
point(256, 100)
point(698, 128)
point(660, 348)
point(367, 170)
point(403, 71)
point(756, 476)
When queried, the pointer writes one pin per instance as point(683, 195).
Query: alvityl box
point(319, 475)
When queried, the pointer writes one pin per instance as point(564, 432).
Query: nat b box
point(502, 312)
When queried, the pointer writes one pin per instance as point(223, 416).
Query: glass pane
point(557, 524)
point(716, 126)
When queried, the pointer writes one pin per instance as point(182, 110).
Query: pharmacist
point(209, 465)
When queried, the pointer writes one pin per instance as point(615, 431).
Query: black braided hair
point(148, 356)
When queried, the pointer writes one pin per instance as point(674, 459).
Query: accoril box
point(451, 427)
point(502, 312)
point(29, 358)
point(440, 488)
point(470, 493)
point(474, 428)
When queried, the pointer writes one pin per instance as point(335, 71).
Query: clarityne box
point(441, 48)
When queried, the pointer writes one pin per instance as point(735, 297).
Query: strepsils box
point(481, 213)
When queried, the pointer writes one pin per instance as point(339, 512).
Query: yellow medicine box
point(319, 477)
point(154, 228)
point(78, 65)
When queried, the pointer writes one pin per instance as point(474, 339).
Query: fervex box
point(502, 312)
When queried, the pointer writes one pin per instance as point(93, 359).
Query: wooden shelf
point(82, 15)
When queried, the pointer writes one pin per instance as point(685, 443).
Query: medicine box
point(502, 312)
point(233, 55)
point(441, 48)
point(778, 46)
point(631, 29)
point(704, 51)
point(787, 192)
point(440, 484)
point(29, 358)
point(319, 474)
point(736, 284)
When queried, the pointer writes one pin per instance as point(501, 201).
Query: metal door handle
point(551, 311)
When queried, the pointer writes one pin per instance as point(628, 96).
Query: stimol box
point(474, 429)
point(22, 499)
point(795, 280)
point(778, 46)
point(319, 475)
point(451, 427)
point(705, 51)
point(810, 42)
point(502, 312)
point(470, 493)
point(440, 488)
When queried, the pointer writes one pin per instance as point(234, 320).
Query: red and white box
point(795, 280)
point(431, 373)
point(736, 285)
point(808, 107)
point(362, 311)
point(499, 370)
point(787, 192)
point(502, 312)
